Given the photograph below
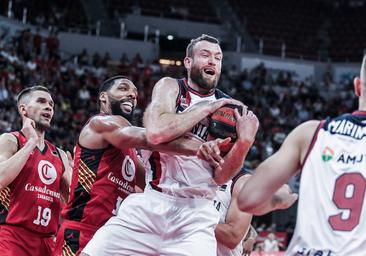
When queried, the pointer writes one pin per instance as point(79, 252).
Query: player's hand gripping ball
point(223, 122)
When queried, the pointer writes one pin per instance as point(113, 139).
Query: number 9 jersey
point(331, 209)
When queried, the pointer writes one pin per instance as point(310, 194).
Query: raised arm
point(11, 160)
point(275, 171)
point(237, 223)
point(163, 124)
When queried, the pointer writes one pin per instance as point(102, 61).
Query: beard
point(41, 126)
point(197, 77)
point(117, 110)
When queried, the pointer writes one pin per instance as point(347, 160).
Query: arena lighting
point(170, 62)
point(170, 37)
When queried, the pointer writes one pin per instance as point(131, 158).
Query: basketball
point(223, 122)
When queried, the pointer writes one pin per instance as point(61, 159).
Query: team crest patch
point(47, 172)
point(128, 169)
point(327, 154)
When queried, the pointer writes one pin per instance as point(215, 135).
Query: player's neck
point(362, 105)
point(196, 87)
point(41, 135)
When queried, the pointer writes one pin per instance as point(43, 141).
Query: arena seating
point(294, 23)
point(200, 11)
point(61, 14)
point(348, 33)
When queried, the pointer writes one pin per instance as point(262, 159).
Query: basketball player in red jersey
point(34, 176)
point(105, 165)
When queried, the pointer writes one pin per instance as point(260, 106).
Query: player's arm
point(163, 124)
point(249, 241)
point(118, 131)
point(247, 126)
point(140, 175)
point(237, 223)
point(275, 171)
point(68, 163)
point(11, 160)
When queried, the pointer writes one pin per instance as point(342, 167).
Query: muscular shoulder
point(302, 136)
point(305, 131)
point(9, 140)
point(8, 144)
point(239, 183)
point(167, 84)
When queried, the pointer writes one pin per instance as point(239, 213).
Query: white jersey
point(178, 175)
point(331, 218)
point(222, 203)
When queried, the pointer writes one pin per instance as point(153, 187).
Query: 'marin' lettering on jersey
point(345, 127)
point(351, 159)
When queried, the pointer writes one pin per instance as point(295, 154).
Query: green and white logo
point(327, 154)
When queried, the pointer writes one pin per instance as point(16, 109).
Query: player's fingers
point(237, 115)
point(69, 156)
point(216, 153)
point(204, 154)
point(223, 142)
point(294, 197)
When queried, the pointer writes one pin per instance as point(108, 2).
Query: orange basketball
point(223, 122)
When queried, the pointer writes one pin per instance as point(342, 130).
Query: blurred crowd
point(279, 100)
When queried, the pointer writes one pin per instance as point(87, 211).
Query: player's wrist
point(31, 143)
point(244, 142)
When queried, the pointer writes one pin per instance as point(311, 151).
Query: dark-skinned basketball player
point(106, 169)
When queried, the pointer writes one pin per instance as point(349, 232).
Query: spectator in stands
point(270, 244)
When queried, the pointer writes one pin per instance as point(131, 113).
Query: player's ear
point(187, 63)
point(103, 97)
point(22, 110)
point(357, 83)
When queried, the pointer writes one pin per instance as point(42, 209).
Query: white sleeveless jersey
point(222, 203)
point(331, 218)
point(178, 175)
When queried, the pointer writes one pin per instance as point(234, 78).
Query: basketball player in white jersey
point(175, 214)
point(331, 156)
point(234, 225)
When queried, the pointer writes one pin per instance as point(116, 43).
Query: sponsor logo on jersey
point(44, 190)
point(123, 185)
point(351, 159)
point(128, 169)
point(47, 172)
point(327, 154)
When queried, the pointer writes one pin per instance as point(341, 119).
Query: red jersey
point(101, 179)
point(32, 200)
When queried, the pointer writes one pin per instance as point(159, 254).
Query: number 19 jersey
point(32, 199)
point(331, 218)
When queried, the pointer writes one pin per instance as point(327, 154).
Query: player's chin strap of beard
point(116, 110)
